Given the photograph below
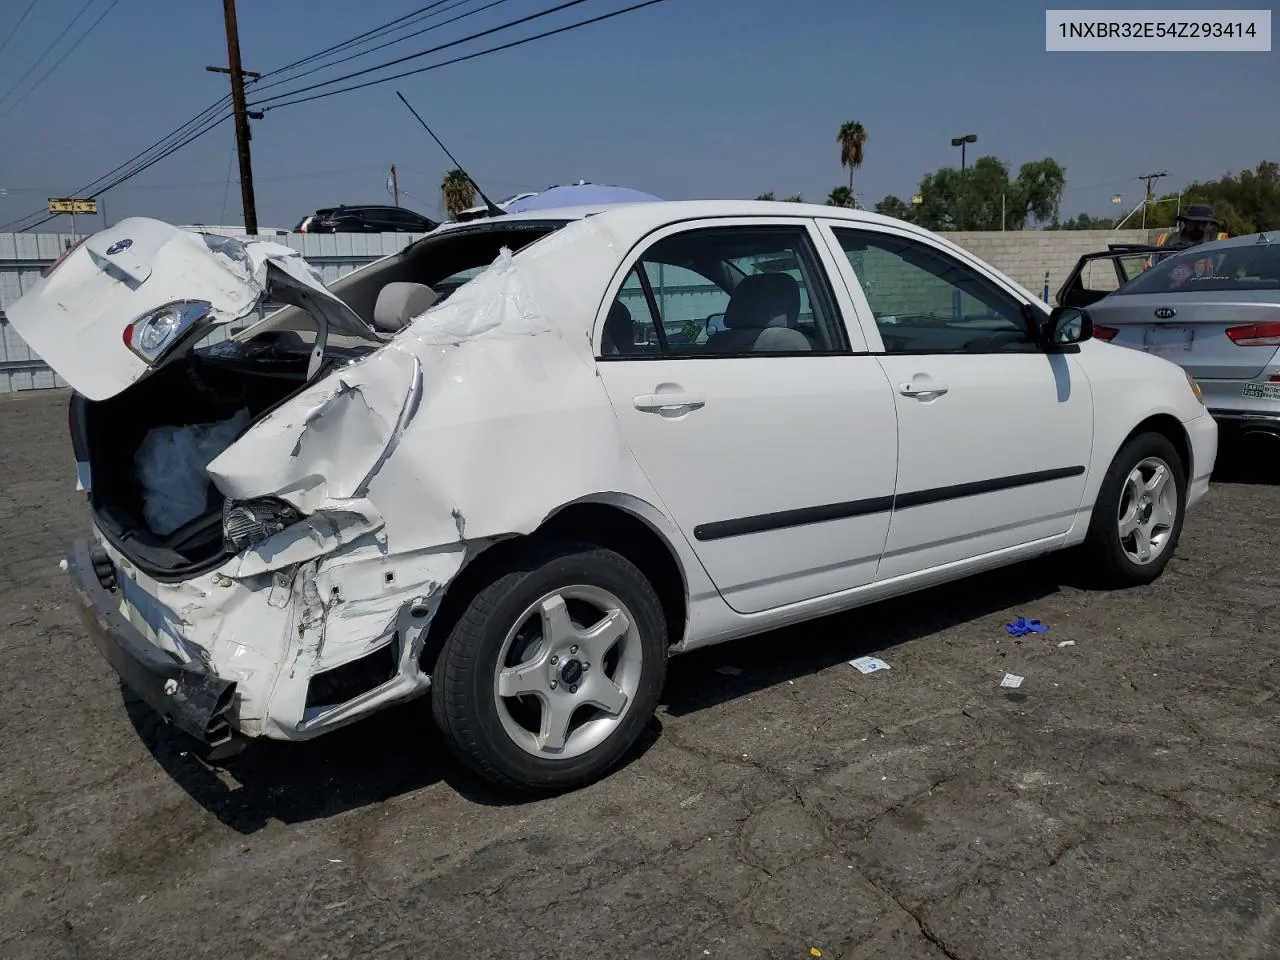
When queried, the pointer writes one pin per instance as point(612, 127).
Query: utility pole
point(1150, 178)
point(237, 74)
point(395, 186)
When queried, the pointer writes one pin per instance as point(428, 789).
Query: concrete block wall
point(1026, 255)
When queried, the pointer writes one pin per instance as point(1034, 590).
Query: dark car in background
point(365, 219)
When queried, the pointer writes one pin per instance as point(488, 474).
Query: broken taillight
point(1104, 333)
point(154, 334)
point(250, 521)
point(1255, 335)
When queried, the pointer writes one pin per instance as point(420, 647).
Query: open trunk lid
point(137, 295)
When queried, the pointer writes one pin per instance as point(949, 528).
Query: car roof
point(1247, 240)
point(367, 206)
point(661, 212)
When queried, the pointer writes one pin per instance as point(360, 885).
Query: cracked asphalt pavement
point(1123, 802)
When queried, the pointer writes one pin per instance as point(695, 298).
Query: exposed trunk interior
point(201, 388)
point(255, 371)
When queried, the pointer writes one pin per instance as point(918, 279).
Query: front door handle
point(923, 388)
point(668, 404)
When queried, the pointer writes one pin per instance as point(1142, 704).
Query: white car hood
point(75, 316)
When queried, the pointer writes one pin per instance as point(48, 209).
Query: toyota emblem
point(1164, 313)
point(119, 247)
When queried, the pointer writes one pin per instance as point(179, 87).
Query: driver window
point(925, 301)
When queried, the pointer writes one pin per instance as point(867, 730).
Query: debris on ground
point(730, 671)
point(1066, 643)
point(1012, 681)
point(868, 664)
point(1022, 626)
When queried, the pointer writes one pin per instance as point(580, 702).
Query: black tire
point(463, 699)
point(1108, 564)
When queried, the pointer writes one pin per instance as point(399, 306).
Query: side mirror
point(1066, 326)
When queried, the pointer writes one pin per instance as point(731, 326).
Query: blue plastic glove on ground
point(1022, 626)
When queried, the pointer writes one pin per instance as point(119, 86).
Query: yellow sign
point(917, 199)
point(68, 205)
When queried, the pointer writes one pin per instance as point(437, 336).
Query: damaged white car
point(519, 464)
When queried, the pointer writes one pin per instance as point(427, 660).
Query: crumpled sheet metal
point(475, 422)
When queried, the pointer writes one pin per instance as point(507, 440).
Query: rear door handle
point(668, 403)
point(923, 388)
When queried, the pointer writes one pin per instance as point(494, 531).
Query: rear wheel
point(553, 669)
point(1137, 518)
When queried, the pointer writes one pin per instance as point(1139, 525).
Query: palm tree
point(853, 139)
point(840, 197)
point(458, 191)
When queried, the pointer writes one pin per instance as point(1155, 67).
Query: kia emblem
point(1164, 313)
point(119, 247)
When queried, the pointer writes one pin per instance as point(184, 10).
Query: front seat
point(400, 302)
point(760, 316)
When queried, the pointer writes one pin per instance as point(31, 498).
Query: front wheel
point(551, 672)
point(1137, 518)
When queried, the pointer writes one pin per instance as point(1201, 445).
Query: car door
point(771, 443)
point(994, 432)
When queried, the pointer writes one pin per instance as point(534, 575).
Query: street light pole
point(962, 142)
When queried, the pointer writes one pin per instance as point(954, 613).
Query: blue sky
point(690, 98)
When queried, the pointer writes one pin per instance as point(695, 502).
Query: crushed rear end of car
point(277, 515)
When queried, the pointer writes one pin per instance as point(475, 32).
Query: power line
point(14, 31)
point(47, 51)
point(422, 53)
point(207, 119)
point(133, 173)
point(141, 156)
point(54, 66)
point(462, 59)
point(206, 114)
point(389, 43)
point(368, 34)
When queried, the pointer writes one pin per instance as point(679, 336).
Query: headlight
point(1195, 388)
point(153, 335)
point(251, 521)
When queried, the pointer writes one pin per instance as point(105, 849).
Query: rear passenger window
point(629, 329)
point(726, 291)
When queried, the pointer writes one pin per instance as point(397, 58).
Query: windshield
point(1254, 266)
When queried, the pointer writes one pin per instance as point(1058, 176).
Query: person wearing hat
point(1193, 228)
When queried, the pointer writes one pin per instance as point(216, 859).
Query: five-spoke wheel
point(550, 673)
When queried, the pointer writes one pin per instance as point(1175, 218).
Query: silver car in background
point(1213, 309)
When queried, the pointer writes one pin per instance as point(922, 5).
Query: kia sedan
point(518, 465)
point(1214, 310)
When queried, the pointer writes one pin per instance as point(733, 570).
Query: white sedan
point(519, 464)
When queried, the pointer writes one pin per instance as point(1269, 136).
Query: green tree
point(891, 206)
point(852, 139)
point(766, 196)
point(840, 197)
point(458, 192)
point(1248, 202)
point(984, 196)
point(794, 198)
point(1084, 221)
